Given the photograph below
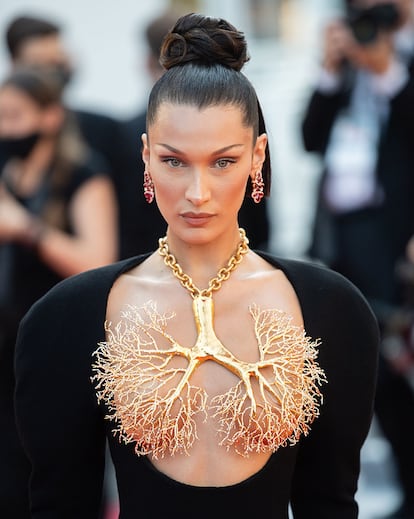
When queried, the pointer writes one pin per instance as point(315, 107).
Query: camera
point(365, 24)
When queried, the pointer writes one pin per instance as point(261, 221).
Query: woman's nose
point(198, 190)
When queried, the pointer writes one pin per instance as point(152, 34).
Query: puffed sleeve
point(328, 463)
point(59, 421)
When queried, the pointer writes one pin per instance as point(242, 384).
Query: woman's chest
point(246, 379)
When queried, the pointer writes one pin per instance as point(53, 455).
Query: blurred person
point(36, 41)
point(208, 359)
point(57, 218)
point(361, 119)
point(135, 213)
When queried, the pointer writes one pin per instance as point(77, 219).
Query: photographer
point(360, 118)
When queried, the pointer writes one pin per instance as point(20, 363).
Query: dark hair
point(203, 57)
point(42, 87)
point(24, 28)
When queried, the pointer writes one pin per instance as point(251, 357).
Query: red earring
point(148, 187)
point(257, 187)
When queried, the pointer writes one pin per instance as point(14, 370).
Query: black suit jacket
point(395, 171)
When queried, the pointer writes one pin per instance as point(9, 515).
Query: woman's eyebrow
point(217, 152)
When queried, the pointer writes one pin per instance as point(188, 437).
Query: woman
point(208, 411)
point(57, 218)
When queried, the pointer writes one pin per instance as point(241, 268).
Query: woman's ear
point(145, 149)
point(259, 154)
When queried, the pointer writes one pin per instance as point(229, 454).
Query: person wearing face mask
point(36, 41)
point(57, 218)
point(360, 118)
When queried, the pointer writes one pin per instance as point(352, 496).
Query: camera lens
point(366, 23)
point(364, 29)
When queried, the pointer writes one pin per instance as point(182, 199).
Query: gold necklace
point(215, 283)
point(273, 401)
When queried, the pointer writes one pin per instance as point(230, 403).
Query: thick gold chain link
point(222, 275)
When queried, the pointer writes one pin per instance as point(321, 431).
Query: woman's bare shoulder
point(144, 282)
point(269, 287)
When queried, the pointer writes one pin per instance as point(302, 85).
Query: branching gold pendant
point(132, 372)
point(144, 376)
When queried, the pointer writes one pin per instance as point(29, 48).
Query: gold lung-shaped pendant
point(131, 371)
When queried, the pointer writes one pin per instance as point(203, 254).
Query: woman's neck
point(202, 262)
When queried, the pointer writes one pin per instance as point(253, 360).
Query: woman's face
point(19, 114)
point(200, 162)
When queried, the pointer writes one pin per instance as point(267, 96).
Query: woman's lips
point(197, 219)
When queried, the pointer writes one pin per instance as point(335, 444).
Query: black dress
point(63, 428)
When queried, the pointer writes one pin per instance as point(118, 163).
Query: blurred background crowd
point(335, 79)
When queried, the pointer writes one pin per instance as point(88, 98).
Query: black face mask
point(62, 73)
point(18, 147)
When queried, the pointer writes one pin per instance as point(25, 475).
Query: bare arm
point(94, 220)
point(93, 217)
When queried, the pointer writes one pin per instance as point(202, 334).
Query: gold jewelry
point(222, 275)
point(152, 399)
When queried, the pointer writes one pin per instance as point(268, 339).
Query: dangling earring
point(148, 187)
point(257, 187)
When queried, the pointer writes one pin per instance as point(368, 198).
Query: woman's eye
point(173, 162)
point(223, 163)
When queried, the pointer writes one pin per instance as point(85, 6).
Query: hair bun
point(204, 40)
